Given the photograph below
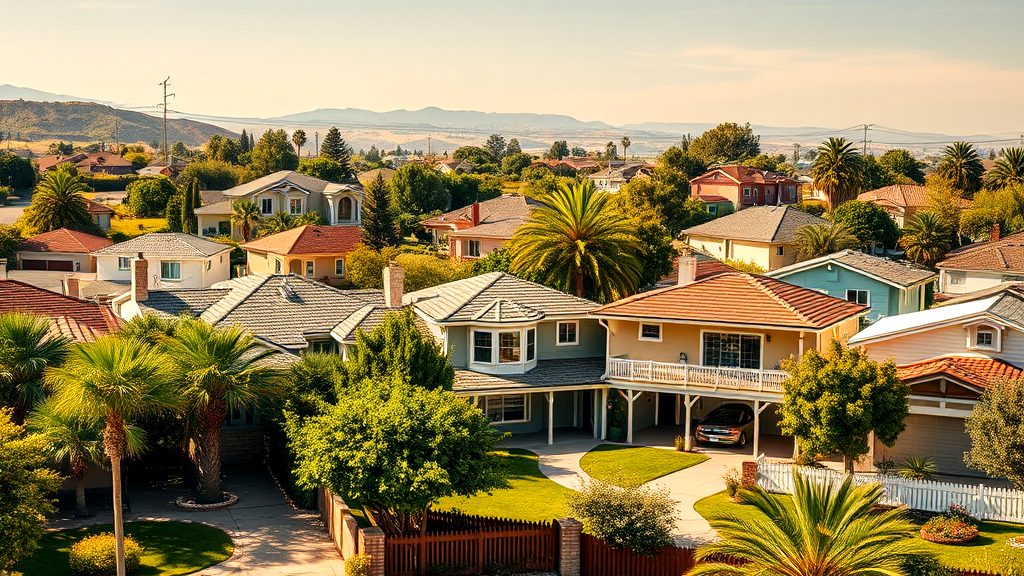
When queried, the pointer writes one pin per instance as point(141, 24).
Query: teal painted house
point(887, 286)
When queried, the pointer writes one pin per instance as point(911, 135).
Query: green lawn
point(133, 227)
point(531, 495)
point(170, 548)
point(634, 465)
point(989, 552)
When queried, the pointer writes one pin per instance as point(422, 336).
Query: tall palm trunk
point(206, 452)
point(79, 468)
point(113, 443)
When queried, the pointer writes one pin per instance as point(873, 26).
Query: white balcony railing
point(697, 377)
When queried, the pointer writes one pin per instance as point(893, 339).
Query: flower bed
point(1016, 542)
point(947, 530)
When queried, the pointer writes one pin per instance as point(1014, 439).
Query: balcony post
point(657, 404)
point(689, 420)
point(676, 412)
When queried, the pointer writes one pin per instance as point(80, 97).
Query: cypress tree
point(243, 141)
point(173, 213)
point(379, 226)
point(188, 207)
point(335, 148)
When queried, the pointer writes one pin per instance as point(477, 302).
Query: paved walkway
point(270, 537)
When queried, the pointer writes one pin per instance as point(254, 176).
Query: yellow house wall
point(459, 250)
point(263, 263)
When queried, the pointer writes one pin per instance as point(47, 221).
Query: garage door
point(941, 439)
point(53, 265)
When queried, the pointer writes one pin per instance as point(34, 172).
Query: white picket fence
point(984, 502)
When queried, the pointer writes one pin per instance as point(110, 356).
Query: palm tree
point(626, 143)
point(814, 240)
point(149, 328)
point(117, 381)
point(278, 222)
point(299, 139)
point(27, 349)
point(220, 367)
point(837, 171)
point(70, 441)
point(1008, 169)
point(246, 215)
point(58, 203)
point(577, 242)
point(824, 527)
point(962, 167)
point(926, 238)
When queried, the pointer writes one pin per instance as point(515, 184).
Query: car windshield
point(728, 416)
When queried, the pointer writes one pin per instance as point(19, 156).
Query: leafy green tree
point(874, 175)
point(373, 155)
point(902, 163)
point(656, 250)
point(10, 239)
point(397, 352)
point(149, 328)
point(16, 172)
point(824, 527)
point(465, 189)
point(398, 450)
point(560, 149)
point(58, 203)
point(246, 215)
point(575, 241)
point(498, 260)
point(577, 151)
point(727, 142)
point(71, 442)
point(138, 159)
point(496, 146)
point(676, 211)
point(26, 485)
point(868, 221)
point(313, 383)
point(1004, 206)
point(147, 197)
point(220, 368)
point(221, 149)
point(180, 150)
point(27, 349)
point(1008, 169)
point(323, 168)
point(61, 148)
point(996, 428)
point(244, 142)
point(769, 162)
point(640, 518)
point(272, 153)
point(299, 139)
point(190, 201)
point(418, 190)
point(173, 212)
point(479, 156)
point(335, 148)
point(212, 174)
point(513, 163)
point(379, 226)
point(513, 147)
point(837, 171)
point(365, 268)
point(834, 399)
point(611, 151)
point(117, 381)
point(926, 238)
point(961, 167)
point(626, 143)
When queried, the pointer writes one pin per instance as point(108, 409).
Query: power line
point(167, 150)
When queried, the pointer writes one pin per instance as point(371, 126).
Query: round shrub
point(947, 530)
point(358, 565)
point(95, 556)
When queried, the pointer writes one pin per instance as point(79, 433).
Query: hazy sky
point(946, 66)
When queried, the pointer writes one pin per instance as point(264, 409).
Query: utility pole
point(167, 150)
point(796, 153)
point(117, 139)
point(428, 145)
point(864, 141)
point(316, 138)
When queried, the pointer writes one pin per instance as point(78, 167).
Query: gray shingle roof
point(366, 319)
point(166, 244)
point(499, 217)
point(308, 183)
point(495, 297)
point(217, 208)
point(903, 274)
point(775, 224)
point(569, 372)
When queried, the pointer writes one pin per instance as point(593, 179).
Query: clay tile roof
point(773, 224)
point(1004, 255)
point(976, 371)
point(64, 240)
point(748, 175)
point(97, 208)
point(904, 195)
point(737, 298)
point(310, 240)
point(84, 321)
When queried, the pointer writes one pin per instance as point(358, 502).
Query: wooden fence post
point(569, 546)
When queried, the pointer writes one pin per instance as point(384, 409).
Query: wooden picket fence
point(599, 559)
point(984, 502)
point(459, 544)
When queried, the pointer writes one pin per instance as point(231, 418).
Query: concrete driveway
point(10, 212)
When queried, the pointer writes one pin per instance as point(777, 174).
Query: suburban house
point(676, 353)
point(101, 214)
point(527, 355)
point(176, 260)
point(91, 162)
point(285, 191)
point(60, 250)
point(77, 319)
point(317, 252)
point(612, 178)
point(455, 166)
point(885, 286)
point(948, 355)
point(901, 201)
point(745, 186)
point(762, 235)
point(982, 265)
point(368, 176)
point(163, 168)
point(480, 228)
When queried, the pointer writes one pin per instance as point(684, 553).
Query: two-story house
point(527, 355)
point(477, 230)
point(678, 352)
point(982, 265)
point(745, 186)
point(613, 178)
point(948, 355)
point(763, 235)
point(285, 191)
point(176, 260)
point(887, 287)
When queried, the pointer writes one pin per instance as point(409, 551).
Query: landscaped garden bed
point(635, 465)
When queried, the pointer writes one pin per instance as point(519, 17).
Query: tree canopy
point(148, 197)
point(418, 190)
point(324, 168)
point(961, 166)
point(273, 152)
point(398, 352)
point(996, 428)
point(335, 148)
point(837, 170)
point(58, 203)
point(379, 226)
point(212, 174)
point(727, 142)
point(868, 221)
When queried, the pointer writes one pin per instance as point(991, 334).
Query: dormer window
point(984, 337)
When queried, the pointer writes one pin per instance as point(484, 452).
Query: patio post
point(657, 404)
point(758, 408)
point(551, 418)
point(604, 414)
point(689, 419)
point(594, 414)
point(678, 399)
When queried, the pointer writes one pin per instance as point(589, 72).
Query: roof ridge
point(238, 301)
point(762, 283)
point(497, 276)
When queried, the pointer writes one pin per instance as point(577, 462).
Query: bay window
point(508, 350)
point(531, 345)
point(482, 347)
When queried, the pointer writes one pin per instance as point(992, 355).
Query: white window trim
point(747, 193)
point(558, 332)
point(764, 343)
point(126, 268)
point(271, 200)
point(972, 337)
point(846, 293)
point(640, 332)
point(166, 279)
point(521, 366)
point(309, 266)
point(278, 266)
point(302, 206)
point(469, 248)
point(526, 409)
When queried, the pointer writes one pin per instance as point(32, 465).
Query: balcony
point(697, 378)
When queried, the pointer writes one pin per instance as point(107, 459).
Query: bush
point(358, 565)
point(946, 530)
point(924, 566)
point(918, 468)
point(108, 183)
point(639, 518)
point(958, 512)
point(94, 555)
point(147, 198)
point(733, 482)
point(680, 443)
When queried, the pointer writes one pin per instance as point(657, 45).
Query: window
point(732, 350)
point(857, 296)
point(473, 247)
point(506, 408)
point(170, 270)
point(984, 338)
point(277, 266)
point(323, 346)
point(309, 268)
point(124, 263)
point(339, 267)
point(267, 205)
point(295, 206)
point(957, 277)
point(224, 228)
point(531, 344)
point(746, 192)
point(780, 250)
point(713, 209)
point(482, 347)
point(650, 332)
point(568, 333)
point(345, 209)
point(508, 347)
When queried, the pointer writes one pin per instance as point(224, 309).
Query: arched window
point(345, 209)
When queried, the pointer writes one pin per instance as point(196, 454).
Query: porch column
point(575, 409)
point(359, 211)
point(758, 408)
point(688, 402)
point(332, 214)
point(594, 414)
point(676, 412)
point(657, 404)
point(800, 349)
point(630, 396)
point(604, 414)
point(551, 418)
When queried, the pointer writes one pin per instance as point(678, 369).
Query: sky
point(953, 67)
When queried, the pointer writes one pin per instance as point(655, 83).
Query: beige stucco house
point(175, 260)
point(316, 252)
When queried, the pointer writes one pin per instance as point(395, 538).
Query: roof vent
point(287, 292)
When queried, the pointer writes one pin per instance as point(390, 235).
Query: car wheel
point(743, 440)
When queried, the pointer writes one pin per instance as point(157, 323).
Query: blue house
point(888, 287)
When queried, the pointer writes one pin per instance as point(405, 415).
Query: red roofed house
point(312, 251)
point(60, 250)
point(77, 319)
point(480, 228)
point(101, 214)
point(105, 162)
point(982, 265)
point(744, 186)
point(681, 351)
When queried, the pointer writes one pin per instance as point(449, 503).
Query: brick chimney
point(140, 279)
point(72, 286)
point(687, 268)
point(475, 213)
point(394, 285)
point(995, 232)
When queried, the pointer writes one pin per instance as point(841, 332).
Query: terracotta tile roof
point(903, 195)
point(310, 240)
point(97, 208)
point(773, 224)
point(976, 371)
point(83, 160)
point(1004, 255)
point(84, 321)
point(64, 240)
point(712, 198)
point(747, 175)
point(499, 217)
point(737, 298)
point(707, 266)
